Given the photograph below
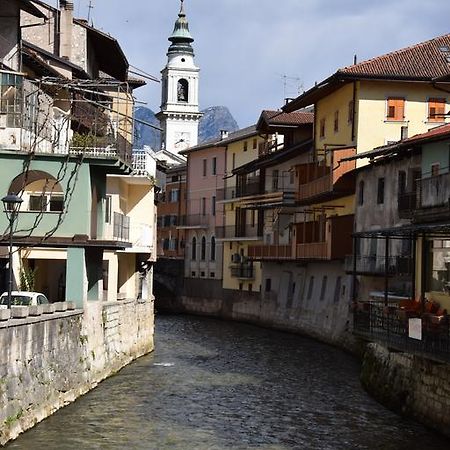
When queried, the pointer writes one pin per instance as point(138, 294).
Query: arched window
point(213, 248)
point(203, 255)
point(194, 248)
point(41, 191)
point(183, 90)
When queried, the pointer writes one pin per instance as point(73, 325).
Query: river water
point(218, 385)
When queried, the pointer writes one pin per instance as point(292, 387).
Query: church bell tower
point(179, 115)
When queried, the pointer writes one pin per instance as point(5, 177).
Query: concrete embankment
point(48, 361)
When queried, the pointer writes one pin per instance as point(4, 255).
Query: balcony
point(194, 221)
point(238, 233)
point(250, 187)
point(30, 122)
point(270, 252)
point(376, 265)
point(407, 203)
point(319, 179)
point(143, 164)
point(242, 271)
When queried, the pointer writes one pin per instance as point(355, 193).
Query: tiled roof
point(293, 118)
point(434, 133)
point(429, 59)
point(426, 61)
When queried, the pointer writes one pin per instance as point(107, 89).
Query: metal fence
point(390, 326)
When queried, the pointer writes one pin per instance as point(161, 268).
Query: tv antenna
point(90, 8)
point(292, 86)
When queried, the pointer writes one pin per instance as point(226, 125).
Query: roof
point(279, 117)
point(28, 6)
point(232, 137)
point(275, 158)
point(108, 52)
point(34, 50)
point(427, 61)
point(435, 134)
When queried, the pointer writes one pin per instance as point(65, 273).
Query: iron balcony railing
point(231, 232)
point(194, 220)
point(389, 325)
point(242, 271)
point(376, 265)
point(252, 187)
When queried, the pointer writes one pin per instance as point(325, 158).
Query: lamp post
point(11, 205)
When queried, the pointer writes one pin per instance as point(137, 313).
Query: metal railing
point(434, 191)
point(252, 187)
point(142, 163)
point(243, 271)
point(231, 232)
point(194, 220)
point(396, 265)
point(391, 326)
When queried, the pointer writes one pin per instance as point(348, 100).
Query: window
point(336, 121)
point(435, 169)
point(183, 90)
point(395, 108)
point(351, 111)
point(245, 146)
point(250, 287)
point(205, 163)
point(40, 202)
point(322, 128)
point(37, 203)
point(380, 191)
point(361, 193)
point(11, 99)
point(252, 218)
point(108, 200)
point(203, 206)
point(324, 287)
point(233, 163)
point(174, 195)
point(193, 273)
point(203, 249)
point(194, 249)
point(310, 288)
point(202, 274)
point(213, 205)
point(268, 285)
point(241, 286)
point(337, 289)
point(436, 109)
point(401, 182)
point(174, 178)
point(214, 166)
point(275, 175)
point(255, 143)
point(212, 275)
point(213, 249)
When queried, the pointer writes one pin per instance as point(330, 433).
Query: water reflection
point(218, 385)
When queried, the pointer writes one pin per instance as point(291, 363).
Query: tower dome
point(181, 37)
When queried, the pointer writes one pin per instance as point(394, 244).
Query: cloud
point(244, 47)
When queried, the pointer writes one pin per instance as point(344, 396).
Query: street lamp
point(11, 205)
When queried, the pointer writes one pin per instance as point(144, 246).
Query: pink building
point(206, 174)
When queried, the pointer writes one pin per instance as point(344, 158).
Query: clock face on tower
point(182, 140)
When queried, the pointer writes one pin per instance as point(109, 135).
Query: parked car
point(23, 298)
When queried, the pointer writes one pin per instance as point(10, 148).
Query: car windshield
point(16, 300)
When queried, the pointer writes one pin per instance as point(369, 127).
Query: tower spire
point(181, 38)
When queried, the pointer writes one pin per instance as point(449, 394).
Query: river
point(221, 385)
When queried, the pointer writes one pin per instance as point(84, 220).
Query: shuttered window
point(436, 109)
point(396, 108)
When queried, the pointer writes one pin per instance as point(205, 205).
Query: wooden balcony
point(321, 178)
point(313, 250)
point(270, 252)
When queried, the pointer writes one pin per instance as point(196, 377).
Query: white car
point(23, 298)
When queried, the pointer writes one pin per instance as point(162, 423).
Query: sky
point(254, 53)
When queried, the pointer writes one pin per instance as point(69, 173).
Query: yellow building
point(380, 101)
point(241, 226)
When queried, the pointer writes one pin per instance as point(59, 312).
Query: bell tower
point(179, 115)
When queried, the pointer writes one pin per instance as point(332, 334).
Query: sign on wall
point(415, 329)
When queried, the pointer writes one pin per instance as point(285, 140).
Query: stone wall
point(326, 321)
point(410, 385)
point(48, 361)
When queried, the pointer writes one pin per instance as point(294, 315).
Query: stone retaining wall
point(410, 385)
point(48, 361)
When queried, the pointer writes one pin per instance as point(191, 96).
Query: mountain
point(214, 119)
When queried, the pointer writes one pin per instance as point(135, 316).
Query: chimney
point(65, 30)
point(223, 134)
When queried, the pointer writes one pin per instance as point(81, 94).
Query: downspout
point(354, 112)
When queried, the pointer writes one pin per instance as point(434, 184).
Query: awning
point(438, 230)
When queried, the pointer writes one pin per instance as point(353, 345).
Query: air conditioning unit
point(236, 258)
